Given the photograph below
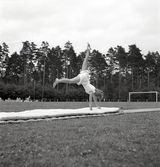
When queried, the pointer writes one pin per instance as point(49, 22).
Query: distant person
point(84, 80)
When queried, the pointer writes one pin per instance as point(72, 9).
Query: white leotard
point(85, 81)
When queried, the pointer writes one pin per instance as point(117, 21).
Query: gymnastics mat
point(49, 113)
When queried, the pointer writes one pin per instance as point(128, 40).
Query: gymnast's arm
point(95, 101)
point(90, 100)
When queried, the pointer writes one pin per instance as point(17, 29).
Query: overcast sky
point(102, 23)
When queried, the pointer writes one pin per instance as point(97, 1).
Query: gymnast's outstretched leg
point(77, 78)
point(85, 62)
point(66, 80)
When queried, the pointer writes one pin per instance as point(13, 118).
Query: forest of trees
point(32, 71)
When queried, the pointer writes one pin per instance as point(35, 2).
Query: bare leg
point(85, 62)
point(66, 80)
point(75, 79)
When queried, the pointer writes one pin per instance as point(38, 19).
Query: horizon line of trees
point(33, 71)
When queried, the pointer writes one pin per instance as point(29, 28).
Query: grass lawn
point(114, 140)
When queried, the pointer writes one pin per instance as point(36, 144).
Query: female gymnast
point(83, 79)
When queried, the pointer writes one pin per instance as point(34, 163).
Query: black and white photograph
point(79, 83)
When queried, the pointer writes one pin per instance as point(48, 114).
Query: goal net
point(150, 92)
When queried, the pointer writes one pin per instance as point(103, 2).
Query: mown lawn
point(21, 106)
point(113, 140)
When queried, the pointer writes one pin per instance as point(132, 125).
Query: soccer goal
point(152, 92)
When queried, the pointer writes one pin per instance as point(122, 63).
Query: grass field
point(114, 140)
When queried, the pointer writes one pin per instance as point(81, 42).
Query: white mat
point(44, 113)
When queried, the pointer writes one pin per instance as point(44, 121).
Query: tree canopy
point(32, 71)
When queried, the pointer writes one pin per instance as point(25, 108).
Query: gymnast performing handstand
point(83, 79)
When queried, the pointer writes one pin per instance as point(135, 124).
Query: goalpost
point(156, 93)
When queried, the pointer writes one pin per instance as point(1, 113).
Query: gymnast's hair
point(99, 94)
